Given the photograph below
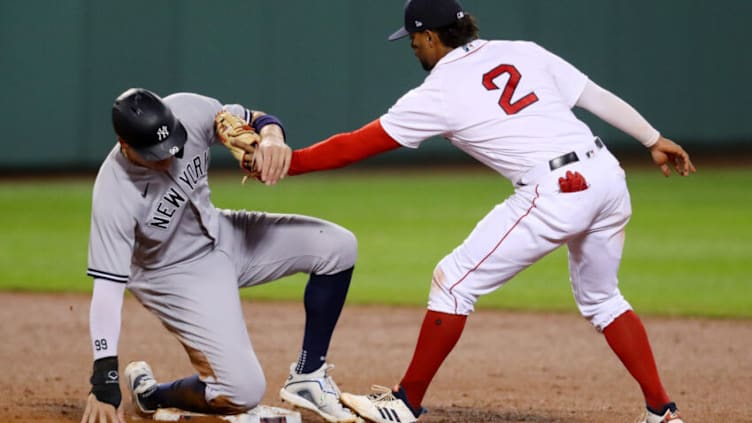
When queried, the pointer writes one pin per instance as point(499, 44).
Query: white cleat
point(380, 407)
point(670, 415)
point(317, 392)
point(140, 381)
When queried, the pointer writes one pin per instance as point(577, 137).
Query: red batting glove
point(572, 182)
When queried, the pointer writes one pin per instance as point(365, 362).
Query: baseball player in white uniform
point(509, 105)
point(155, 231)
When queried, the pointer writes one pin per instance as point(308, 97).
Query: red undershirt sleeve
point(342, 149)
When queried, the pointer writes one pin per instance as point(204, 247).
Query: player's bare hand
point(272, 159)
point(667, 153)
point(101, 412)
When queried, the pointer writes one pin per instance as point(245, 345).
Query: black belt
point(564, 160)
point(570, 157)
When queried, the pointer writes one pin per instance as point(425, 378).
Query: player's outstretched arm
point(667, 153)
point(343, 149)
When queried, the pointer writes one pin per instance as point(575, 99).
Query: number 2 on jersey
point(506, 95)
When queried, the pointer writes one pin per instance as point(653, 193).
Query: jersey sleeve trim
point(392, 133)
point(108, 276)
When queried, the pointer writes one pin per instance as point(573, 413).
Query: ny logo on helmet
point(163, 133)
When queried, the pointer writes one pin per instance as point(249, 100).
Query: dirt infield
point(508, 367)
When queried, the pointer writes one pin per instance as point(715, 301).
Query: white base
point(260, 414)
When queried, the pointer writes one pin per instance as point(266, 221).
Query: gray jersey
point(184, 259)
point(154, 219)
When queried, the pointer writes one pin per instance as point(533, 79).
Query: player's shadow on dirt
point(479, 415)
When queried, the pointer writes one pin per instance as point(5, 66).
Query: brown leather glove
point(230, 127)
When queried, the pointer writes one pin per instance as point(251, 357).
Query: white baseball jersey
point(506, 103)
point(509, 105)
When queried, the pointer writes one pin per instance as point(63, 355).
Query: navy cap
point(428, 14)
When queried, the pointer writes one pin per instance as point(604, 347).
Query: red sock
point(627, 338)
point(438, 335)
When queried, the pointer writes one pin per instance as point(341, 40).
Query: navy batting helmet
point(145, 123)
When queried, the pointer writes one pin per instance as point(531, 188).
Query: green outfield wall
point(324, 66)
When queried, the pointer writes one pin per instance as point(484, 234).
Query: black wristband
point(105, 381)
point(264, 120)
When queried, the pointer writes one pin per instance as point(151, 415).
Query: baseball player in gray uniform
point(155, 231)
point(509, 105)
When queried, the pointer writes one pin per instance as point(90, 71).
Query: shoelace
point(143, 382)
point(382, 393)
point(333, 389)
point(329, 381)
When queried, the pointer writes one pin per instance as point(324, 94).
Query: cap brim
point(167, 148)
point(400, 33)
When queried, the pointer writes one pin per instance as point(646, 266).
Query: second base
point(260, 414)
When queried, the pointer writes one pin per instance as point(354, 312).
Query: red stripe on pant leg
point(493, 250)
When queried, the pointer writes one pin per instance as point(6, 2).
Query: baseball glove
point(231, 128)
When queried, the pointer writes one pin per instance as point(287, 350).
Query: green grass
point(687, 252)
point(44, 232)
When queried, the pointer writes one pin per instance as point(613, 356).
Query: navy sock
point(323, 299)
point(186, 394)
point(403, 396)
